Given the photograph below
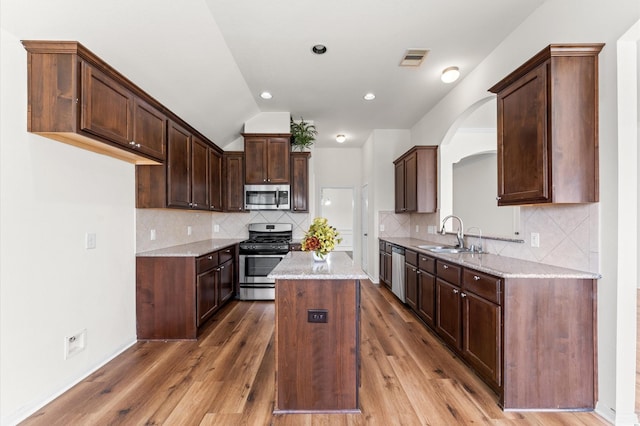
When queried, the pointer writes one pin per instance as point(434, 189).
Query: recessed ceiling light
point(266, 95)
point(449, 75)
point(341, 138)
point(369, 97)
point(319, 49)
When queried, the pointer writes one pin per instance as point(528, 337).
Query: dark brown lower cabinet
point(448, 310)
point(175, 295)
point(532, 340)
point(411, 275)
point(385, 263)
point(426, 308)
point(481, 342)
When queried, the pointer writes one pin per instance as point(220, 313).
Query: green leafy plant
point(321, 237)
point(303, 134)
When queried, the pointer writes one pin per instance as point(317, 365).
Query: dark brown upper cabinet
point(76, 98)
point(300, 181)
point(215, 180)
point(416, 180)
point(191, 178)
point(548, 128)
point(266, 158)
point(234, 181)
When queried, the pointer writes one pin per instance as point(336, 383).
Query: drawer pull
point(445, 266)
point(476, 278)
point(463, 295)
point(210, 257)
point(455, 291)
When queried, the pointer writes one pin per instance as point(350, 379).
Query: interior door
point(364, 226)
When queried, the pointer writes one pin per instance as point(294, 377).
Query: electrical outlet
point(153, 234)
point(216, 228)
point(535, 239)
point(189, 230)
point(90, 240)
point(317, 315)
point(431, 229)
point(381, 228)
point(75, 344)
point(417, 228)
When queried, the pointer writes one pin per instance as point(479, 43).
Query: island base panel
point(317, 362)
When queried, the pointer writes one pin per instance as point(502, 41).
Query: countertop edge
point(300, 266)
point(194, 249)
point(485, 262)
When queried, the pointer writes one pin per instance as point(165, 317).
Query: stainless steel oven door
point(254, 268)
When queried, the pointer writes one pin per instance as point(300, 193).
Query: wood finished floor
point(227, 378)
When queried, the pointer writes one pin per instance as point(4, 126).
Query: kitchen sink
point(450, 250)
point(444, 249)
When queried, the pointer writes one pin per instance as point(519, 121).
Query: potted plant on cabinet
point(303, 134)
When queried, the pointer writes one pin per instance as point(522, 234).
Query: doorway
point(337, 205)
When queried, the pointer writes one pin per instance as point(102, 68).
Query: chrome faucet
point(459, 234)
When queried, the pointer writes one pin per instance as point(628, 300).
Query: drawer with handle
point(483, 285)
point(427, 264)
point(206, 262)
point(226, 254)
point(448, 272)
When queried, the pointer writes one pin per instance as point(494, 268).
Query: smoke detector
point(413, 57)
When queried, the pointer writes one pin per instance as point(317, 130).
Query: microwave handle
point(277, 198)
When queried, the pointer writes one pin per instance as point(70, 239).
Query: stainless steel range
point(267, 245)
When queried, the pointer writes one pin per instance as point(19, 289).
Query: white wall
point(51, 287)
point(474, 192)
point(566, 21)
point(378, 152)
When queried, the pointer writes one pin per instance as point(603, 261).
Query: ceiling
point(209, 60)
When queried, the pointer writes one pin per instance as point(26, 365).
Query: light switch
point(535, 239)
point(90, 240)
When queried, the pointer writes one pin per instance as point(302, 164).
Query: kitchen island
point(317, 334)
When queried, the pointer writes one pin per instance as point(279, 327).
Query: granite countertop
point(299, 265)
point(501, 266)
point(195, 249)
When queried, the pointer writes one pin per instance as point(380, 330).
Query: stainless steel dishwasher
point(397, 272)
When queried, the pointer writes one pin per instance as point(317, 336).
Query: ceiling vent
point(413, 57)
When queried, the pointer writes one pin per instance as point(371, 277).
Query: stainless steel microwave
point(267, 197)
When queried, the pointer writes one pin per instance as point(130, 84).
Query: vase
point(319, 257)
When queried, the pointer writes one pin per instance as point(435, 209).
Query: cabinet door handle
point(455, 291)
point(132, 143)
point(210, 257)
point(222, 267)
point(418, 272)
point(476, 278)
point(463, 295)
point(445, 266)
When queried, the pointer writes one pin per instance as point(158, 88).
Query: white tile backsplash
point(171, 225)
point(568, 235)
